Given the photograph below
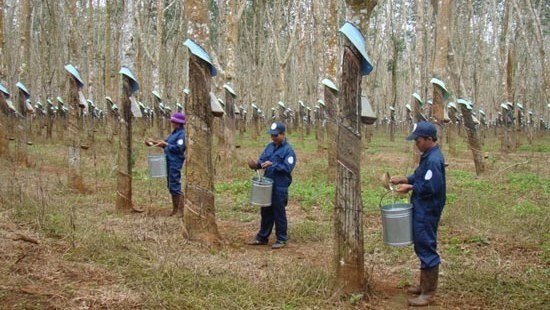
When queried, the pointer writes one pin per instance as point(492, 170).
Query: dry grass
point(493, 236)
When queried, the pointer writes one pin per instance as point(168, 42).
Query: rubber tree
point(348, 208)
point(199, 218)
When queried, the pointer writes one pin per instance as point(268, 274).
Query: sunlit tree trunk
point(24, 73)
point(440, 65)
point(420, 54)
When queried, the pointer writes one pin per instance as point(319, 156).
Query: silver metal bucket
point(260, 191)
point(157, 165)
point(397, 224)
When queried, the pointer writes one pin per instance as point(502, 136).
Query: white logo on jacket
point(290, 160)
point(180, 142)
point(429, 175)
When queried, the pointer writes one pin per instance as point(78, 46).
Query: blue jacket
point(175, 150)
point(175, 156)
point(428, 180)
point(283, 161)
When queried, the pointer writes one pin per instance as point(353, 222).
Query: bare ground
point(35, 273)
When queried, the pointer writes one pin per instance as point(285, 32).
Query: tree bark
point(124, 180)
point(199, 220)
point(348, 209)
point(199, 217)
point(332, 133)
point(2, 43)
point(124, 184)
point(441, 63)
point(473, 139)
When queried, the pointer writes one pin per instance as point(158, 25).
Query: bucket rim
point(396, 206)
point(260, 179)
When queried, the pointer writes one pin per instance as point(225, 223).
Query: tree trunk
point(124, 180)
point(2, 43)
point(4, 119)
point(199, 218)
point(439, 95)
point(75, 179)
point(332, 133)
point(473, 139)
point(441, 64)
point(124, 184)
point(25, 48)
point(420, 51)
point(348, 209)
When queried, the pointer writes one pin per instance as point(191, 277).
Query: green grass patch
point(308, 230)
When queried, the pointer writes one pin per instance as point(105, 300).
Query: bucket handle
point(260, 176)
point(381, 198)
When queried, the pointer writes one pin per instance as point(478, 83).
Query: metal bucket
point(260, 191)
point(157, 165)
point(397, 224)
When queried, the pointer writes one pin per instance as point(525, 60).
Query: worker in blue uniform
point(278, 160)
point(174, 149)
point(428, 187)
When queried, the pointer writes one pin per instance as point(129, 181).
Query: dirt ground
point(35, 273)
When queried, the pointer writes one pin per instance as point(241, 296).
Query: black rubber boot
point(176, 198)
point(428, 286)
point(416, 290)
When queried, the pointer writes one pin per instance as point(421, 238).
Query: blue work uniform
point(428, 200)
point(175, 157)
point(283, 161)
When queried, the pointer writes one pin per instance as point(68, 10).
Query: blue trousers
point(425, 237)
point(274, 215)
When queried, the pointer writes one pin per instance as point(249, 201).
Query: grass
point(493, 236)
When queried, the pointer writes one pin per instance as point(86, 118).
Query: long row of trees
point(272, 51)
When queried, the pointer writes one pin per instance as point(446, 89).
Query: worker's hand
point(252, 164)
point(266, 164)
point(403, 188)
point(398, 180)
point(161, 143)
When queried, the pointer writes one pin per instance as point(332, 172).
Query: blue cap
point(277, 128)
point(422, 129)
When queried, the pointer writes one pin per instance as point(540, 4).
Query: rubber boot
point(416, 290)
point(181, 204)
point(175, 204)
point(428, 286)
